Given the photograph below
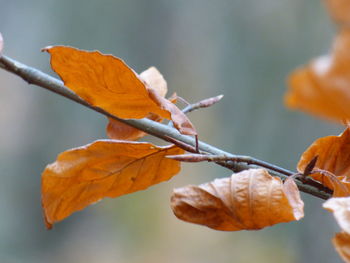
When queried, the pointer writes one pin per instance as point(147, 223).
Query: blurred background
point(243, 49)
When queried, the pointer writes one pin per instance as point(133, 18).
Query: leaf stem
point(239, 163)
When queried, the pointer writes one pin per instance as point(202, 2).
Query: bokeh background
point(243, 49)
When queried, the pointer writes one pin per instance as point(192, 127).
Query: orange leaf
point(248, 200)
point(339, 10)
point(340, 206)
point(333, 156)
point(341, 242)
point(120, 131)
point(107, 82)
point(104, 168)
point(323, 87)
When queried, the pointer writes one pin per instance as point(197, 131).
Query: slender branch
point(36, 77)
point(202, 104)
point(198, 105)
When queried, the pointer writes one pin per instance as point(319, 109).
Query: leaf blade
point(107, 82)
point(104, 168)
point(248, 200)
point(341, 242)
point(333, 156)
point(321, 87)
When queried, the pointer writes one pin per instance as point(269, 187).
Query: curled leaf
point(248, 200)
point(154, 79)
point(292, 193)
point(107, 82)
point(120, 131)
point(104, 168)
point(339, 11)
point(340, 206)
point(341, 242)
point(333, 156)
point(323, 87)
point(180, 121)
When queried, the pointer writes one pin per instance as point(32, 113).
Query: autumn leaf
point(121, 131)
point(341, 242)
point(339, 11)
point(323, 87)
point(340, 206)
point(107, 82)
point(248, 200)
point(334, 157)
point(154, 79)
point(104, 168)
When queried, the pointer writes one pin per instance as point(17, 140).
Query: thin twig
point(198, 105)
point(224, 158)
point(34, 76)
point(202, 104)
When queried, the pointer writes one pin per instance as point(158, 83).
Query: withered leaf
point(120, 131)
point(339, 11)
point(107, 82)
point(333, 156)
point(341, 242)
point(154, 79)
point(340, 206)
point(323, 87)
point(248, 200)
point(104, 168)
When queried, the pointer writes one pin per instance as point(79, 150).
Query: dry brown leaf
point(104, 168)
point(333, 156)
point(339, 11)
point(154, 79)
point(339, 185)
point(323, 87)
point(248, 200)
point(120, 131)
point(340, 206)
point(341, 242)
point(292, 193)
point(107, 82)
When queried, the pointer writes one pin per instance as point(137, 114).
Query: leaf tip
point(48, 225)
point(219, 97)
point(1, 43)
point(46, 49)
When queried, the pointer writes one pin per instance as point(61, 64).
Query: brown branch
point(237, 163)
